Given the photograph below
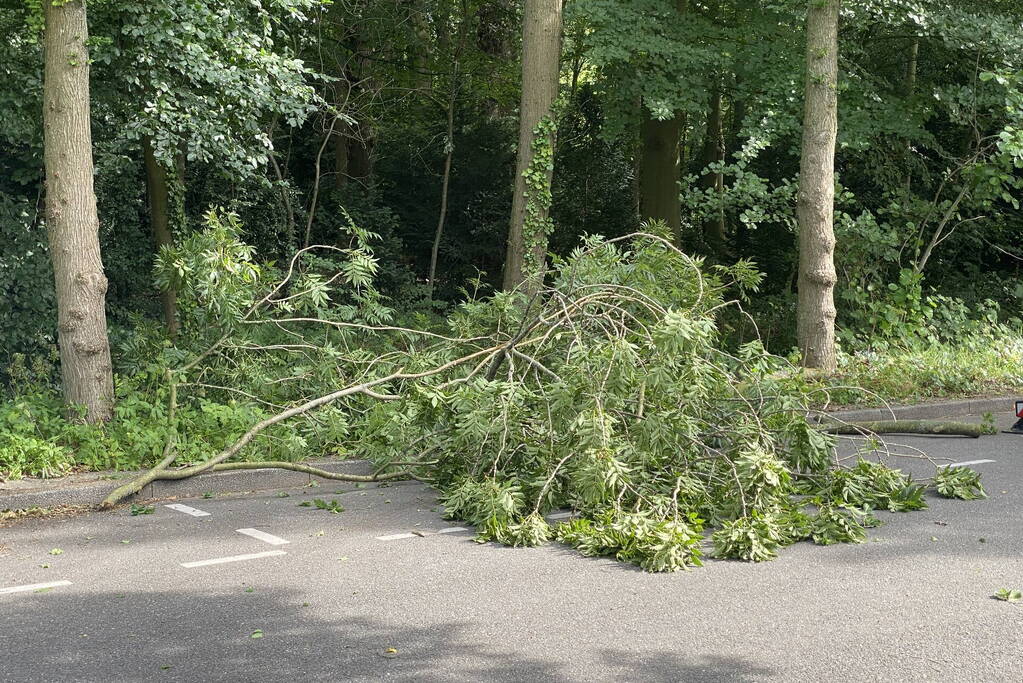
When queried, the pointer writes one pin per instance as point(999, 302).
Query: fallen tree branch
point(160, 471)
point(908, 427)
point(293, 466)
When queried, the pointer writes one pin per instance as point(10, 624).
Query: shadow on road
point(179, 636)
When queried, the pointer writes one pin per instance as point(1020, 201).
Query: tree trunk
point(158, 189)
point(910, 89)
point(541, 67)
point(714, 152)
point(909, 427)
point(659, 165)
point(815, 327)
point(72, 219)
point(732, 146)
point(658, 173)
point(342, 132)
point(449, 151)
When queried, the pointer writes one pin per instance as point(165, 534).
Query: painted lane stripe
point(560, 515)
point(263, 536)
point(452, 530)
point(234, 558)
point(33, 587)
point(188, 510)
point(394, 537)
point(969, 462)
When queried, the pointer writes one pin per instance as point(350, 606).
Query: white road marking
point(263, 536)
point(560, 515)
point(187, 510)
point(394, 537)
point(33, 587)
point(969, 462)
point(452, 529)
point(234, 558)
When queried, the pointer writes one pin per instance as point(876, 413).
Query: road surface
point(260, 588)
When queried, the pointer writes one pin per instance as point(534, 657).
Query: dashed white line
point(452, 529)
point(34, 587)
point(263, 536)
point(188, 510)
point(969, 462)
point(394, 537)
point(234, 558)
point(560, 515)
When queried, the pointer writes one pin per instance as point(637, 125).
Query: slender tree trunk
point(815, 326)
point(732, 146)
point(449, 150)
point(72, 219)
point(342, 133)
point(541, 67)
point(910, 89)
point(713, 152)
point(658, 172)
point(158, 189)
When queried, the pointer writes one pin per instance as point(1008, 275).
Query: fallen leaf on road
point(258, 633)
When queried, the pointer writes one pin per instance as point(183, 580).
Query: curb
point(92, 488)
point(929, 411)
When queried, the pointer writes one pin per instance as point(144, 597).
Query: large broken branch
point(908, 427)
point(218, 462)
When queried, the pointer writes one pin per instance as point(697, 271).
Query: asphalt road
point(375, 593)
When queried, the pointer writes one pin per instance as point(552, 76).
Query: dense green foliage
point(653, 390)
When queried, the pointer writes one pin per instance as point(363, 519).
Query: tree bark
point(658, 173)
point(714, 152)
point(342, 133)
point(815, 326)
point(449, 151)
point(541, 67)
point(158, 189)
point(659, 165)
point(909, 427)
point(72, 218)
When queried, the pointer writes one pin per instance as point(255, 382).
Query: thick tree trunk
point(72, 219)
point(158, 188)
point(713, 152)
point(541, 67)
point(815, 327)
point(360, 152)
point(659, 165)
point(658, 173)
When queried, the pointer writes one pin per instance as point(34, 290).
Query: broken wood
point(929, 428)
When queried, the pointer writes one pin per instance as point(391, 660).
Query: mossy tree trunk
point(72, 218)
point(541, 68)
point(815, 326)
